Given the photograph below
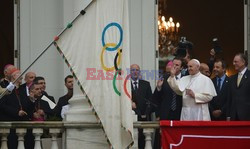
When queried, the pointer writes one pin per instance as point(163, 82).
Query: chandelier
point(168, 37)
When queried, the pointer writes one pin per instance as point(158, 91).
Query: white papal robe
point(203, 88)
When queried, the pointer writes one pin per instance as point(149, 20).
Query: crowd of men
point(185, 92)
point(29, 101)
point(188, 92)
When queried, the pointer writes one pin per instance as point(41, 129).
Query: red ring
point(125, 86)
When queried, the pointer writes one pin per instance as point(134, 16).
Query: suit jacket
point(141, 96)
point(220, 101)
point(28, 104)
point(239, 97)
point(23, 92)
point(10, 106)
point(64, 100)
point(163, 99)
point(44, 105)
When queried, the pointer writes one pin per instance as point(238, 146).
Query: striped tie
point(173, 104)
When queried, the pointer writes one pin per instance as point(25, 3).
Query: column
point(20, 132)
point(80, 111)
point(4, 133)
point(37, 132)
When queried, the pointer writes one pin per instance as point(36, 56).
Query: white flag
point(95, 47)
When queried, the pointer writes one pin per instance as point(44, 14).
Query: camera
point(216, 46)
point(183, 46)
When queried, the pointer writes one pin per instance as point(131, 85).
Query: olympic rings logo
point(109, 47)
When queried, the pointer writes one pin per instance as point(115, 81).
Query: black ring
point(115, 61)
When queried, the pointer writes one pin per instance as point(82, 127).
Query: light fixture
point(168, 37)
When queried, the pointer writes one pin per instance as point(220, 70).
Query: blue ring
point(121, 36)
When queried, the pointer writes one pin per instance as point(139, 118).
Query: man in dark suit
point(218, 105)
point(168, 103)
point(64, 100)
point(13, 108)
point(239, 91)
point(42, 110)
point(141, 95)
point(42, 82)
point(24, 88)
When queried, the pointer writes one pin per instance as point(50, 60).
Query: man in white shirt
point(197, 90)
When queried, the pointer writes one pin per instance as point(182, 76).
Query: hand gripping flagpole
point(51, 43)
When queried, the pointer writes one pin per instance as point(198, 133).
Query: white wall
point(41, 20)
point(143, 35)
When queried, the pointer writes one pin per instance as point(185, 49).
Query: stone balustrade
point(57, 128)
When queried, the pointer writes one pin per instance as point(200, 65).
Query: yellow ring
point(119, 56)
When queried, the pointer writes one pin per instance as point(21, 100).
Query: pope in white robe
point(197, 90)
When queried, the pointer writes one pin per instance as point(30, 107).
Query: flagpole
point(82, 12)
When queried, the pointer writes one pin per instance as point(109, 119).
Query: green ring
point(114, 84)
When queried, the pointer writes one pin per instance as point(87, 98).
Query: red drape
point(205, 135)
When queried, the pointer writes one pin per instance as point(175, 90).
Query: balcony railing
point(56, 129)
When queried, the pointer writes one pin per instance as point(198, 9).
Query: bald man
point(204, 69)
point(13, 108)
point(141, 94)
point(29, 77)
point(24, 88)
point(197, 90)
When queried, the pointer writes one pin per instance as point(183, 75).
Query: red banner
point(205, 135)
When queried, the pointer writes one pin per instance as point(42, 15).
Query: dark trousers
point(29, 142)
point(157, 141)
point(141, 137)
point(12, 139)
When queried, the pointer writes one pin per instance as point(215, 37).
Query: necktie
point(173, 104)
point(219, 84)
point(239, 79)
point(135, 86)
